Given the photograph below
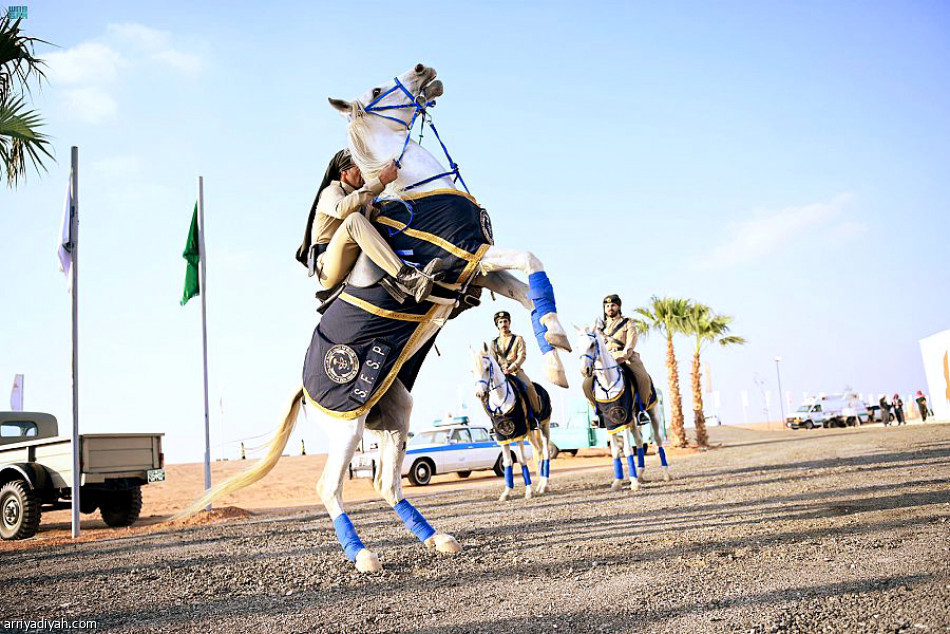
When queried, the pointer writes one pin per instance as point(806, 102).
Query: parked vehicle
point(451, 446)
point(835, 410)
point(584, 430)
point(36, 472)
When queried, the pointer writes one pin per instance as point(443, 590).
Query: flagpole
point(74, 268)
point(203, 286)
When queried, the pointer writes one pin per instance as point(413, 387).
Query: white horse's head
point(486, 370)
point(391, 97)
point(591, 345)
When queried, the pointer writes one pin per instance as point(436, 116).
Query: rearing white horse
point(357, 374)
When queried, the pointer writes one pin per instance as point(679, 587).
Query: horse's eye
point(376, 92)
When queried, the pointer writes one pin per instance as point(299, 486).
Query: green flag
point(192, 255)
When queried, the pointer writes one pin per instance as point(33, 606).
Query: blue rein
point(600, 355)
point(418, 108)
point(491, 388)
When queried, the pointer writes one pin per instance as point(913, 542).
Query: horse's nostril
point(420, 68)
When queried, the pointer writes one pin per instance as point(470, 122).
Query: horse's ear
point(343, 106)
point(578, 329)
point(485, 347)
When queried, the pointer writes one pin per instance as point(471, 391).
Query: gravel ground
point(820, 531)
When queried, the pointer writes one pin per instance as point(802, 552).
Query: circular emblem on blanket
point(485, 221)
point(505, 427)
point(617, 415)
point(341, 364)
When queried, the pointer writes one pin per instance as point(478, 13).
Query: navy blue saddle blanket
point(362, 343)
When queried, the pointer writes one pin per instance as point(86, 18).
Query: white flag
point(16, 396)
point(64, 248)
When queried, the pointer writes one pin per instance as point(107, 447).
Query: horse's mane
point(357, 131)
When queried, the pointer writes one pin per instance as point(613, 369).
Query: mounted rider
point(339, 228)
point(510, 352)
point(621, 336)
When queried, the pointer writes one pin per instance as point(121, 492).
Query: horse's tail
point(256, 472)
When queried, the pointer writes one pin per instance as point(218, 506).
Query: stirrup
point(327, 297)
point(643, 418)
point(394, 290)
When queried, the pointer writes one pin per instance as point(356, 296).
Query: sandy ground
point(844, 530)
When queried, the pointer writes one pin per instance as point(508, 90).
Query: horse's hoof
point(367, 561)
point(634, 485)
point(504, 495)
point(555, 334)
point(554, 369)
point(667, 477)
point(527, 493)
point(640, 478)
point(616, 485)
point(444, 544)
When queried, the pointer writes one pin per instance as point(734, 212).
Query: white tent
point(935, 351)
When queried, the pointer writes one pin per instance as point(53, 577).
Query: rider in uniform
point(621, 336)
point(337, 230)
point(510, 351)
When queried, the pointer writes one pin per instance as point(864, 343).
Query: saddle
point(534, 418)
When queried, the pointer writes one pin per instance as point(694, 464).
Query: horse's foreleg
point(343, 436)
point(525, 469)
point(628, 452)
point(655, 425)
point(509, 473)
point(617, 442)
point(547, 327)
point(388, 425)
point(541, 442)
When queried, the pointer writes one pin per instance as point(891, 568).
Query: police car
point(450, 446)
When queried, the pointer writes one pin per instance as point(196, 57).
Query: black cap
point(502, 314)
point(613, 299)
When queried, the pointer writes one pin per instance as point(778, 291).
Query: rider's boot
point(418, 282)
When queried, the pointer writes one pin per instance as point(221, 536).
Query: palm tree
point(668, 317)
point(21, 143)
point(707, 327)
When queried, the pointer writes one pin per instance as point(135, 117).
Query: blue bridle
point(491, 388)
point(418, 108)
point(600, 355)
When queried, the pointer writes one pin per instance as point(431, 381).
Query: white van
point(833, 410)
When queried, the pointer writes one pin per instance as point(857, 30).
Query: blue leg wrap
point(618, 469)
point(509, 477)
point(546, 468)
point(526, 474)
point(633, 468)
point(541, 294)
point(662, 456)
point(539, 332)
point(640, 457)
point(347, 535)
point(413, 520)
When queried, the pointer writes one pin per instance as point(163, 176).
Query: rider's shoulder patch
point(341, 364)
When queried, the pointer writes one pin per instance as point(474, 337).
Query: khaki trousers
point(354, 235)
point(644, 382)
point(529, 388)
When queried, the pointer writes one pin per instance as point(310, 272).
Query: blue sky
point(785, 163)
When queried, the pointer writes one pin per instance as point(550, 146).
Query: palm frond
point(21, 143)
point(17, 59)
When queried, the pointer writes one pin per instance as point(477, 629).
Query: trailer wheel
point(19, 510)
point(121, 508)
point(553, 451)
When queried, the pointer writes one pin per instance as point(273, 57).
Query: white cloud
point(87, 63)
point(158, 46)
point(87, 68)
point(91, 105)
point(771, 231)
